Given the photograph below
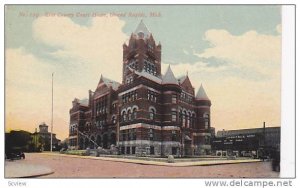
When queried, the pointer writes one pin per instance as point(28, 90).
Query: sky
point(233, 51)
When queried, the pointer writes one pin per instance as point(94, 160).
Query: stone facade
point(148, 114)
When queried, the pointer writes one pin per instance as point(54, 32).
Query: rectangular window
point(174, 150)
point(133, 150)
point(134, 134)
point(150, 134)
point(174, 136)
point(174, 116)
point(122, 150)
point(206, 124)
point(129, 134)
point(127, 150)
point(123, 135)
point(174, 98)
point(207, 140)
point(151, 150)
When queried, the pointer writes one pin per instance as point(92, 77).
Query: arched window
point(152, 113)
point(183, 118)
point(189, 119)
point(129, 115)
point(124, 116)
point(134, 113)
point(180, 116)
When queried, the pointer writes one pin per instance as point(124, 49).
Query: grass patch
point(75, 152)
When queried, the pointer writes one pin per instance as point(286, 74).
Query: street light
point(51, 136)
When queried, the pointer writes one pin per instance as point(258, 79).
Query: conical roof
point(142, 28)
point(169, 77)
point(201, 94)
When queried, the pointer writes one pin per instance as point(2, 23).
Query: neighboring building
point(46, 137)
point(247, 140)
point(149, 113)
point(212, 132)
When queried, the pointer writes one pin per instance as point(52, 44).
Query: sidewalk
point(145, 161)
point(17, 169)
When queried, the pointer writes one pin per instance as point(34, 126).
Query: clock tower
point(141, 54)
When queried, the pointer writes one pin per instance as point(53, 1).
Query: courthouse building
point(149, 113)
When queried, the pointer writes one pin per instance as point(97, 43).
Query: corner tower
point(141, 53)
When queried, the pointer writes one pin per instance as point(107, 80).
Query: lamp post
point(51, 135)
point(35, 140)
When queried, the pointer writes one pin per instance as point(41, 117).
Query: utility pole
point(35, 140)
point(51, 136)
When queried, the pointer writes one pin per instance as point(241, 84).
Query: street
point(69, 167)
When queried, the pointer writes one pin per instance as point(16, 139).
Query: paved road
point(67, 167)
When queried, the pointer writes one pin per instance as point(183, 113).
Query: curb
point(158, 163)
point(19, 170)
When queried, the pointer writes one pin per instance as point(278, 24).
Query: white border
point(288, 102)
point(288, 93)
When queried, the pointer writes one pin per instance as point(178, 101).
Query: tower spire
point(142, 28)
point(201, 94)
point(169, 77)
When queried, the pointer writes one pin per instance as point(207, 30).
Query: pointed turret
point(169, 77)
point(142, 30)
point(101, 80)
point(201, 94)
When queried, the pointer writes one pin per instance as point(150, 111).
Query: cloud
point(82, 54)
point(185, 52)
point(96, 47)
point(253, 51)
point(225, 69)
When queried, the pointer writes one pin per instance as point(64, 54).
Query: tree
point(17, 139)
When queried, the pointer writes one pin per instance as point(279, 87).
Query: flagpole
point(51, 137)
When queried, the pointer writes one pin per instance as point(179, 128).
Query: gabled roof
point(142, 28)
point(169, 77)
point(201, 94)
point(108, 83)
